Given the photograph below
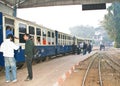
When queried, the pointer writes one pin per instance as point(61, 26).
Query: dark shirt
point(84, 46)
point(29, 47)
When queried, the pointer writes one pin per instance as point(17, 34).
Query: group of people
point(7, 48)
point(86, 48)
point(82, 47)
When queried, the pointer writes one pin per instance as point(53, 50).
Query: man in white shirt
point(8, 47)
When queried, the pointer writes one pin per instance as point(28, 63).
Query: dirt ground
point(110, 77)
point(46, 73)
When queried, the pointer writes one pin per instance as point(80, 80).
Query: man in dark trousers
point(29, 46)
point(84, 48)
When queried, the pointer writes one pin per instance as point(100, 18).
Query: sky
point(62, 18)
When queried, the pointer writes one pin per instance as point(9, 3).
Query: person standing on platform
point(29, 47)
point(8, 47)
point(73, 48)
point(89, 48)
point(84, 48)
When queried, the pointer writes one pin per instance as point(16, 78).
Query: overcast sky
point(61, 18)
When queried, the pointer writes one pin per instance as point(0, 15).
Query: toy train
point(47, 42)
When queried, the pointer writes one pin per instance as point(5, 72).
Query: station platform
point(46, 73)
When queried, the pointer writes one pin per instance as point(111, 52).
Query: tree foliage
point(83, 31)
point(111, 22)
point(89, 32)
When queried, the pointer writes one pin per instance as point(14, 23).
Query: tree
point(83, 31)
point(89, 32)
point(111, 23)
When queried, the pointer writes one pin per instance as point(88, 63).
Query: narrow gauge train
point(47, 42)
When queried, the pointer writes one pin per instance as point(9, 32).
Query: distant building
point(98, 38)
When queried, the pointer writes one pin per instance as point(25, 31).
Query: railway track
point(112, 63)
point(100, 74)
point(110, 70)
point(100, 69)
point(93, 66)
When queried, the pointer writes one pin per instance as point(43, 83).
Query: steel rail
point(109, 63)
point(112, 60)
point(100, 74)
point(88, 68)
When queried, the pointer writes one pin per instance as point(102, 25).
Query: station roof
point(41, 3)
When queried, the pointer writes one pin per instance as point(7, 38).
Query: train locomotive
point(47, 42)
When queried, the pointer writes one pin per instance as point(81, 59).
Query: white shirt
point(8, 47)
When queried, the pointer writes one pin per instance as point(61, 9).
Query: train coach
point(47, 42)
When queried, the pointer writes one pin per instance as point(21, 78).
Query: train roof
point(30, 22)
point(27, 21)
point(33, 23)
point(81, 38)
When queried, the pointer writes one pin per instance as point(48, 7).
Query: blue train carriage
point(79, 43)
point(44, 38)
point(89, 41)
point(5, 21)
point(47, 42)
point(63, 43)
point(80, 40)
point(1, 38)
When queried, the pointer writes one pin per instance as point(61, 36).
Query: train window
point(49, 35)
point(52, 43)
point(9, 30)
point(52, 34)
point(38, 40)
point(48, 43)
point(44, 32)
point(22, 31)
point(63, 36)
point(44, 41)
point(38, 31)
point(21, 40)
point(22, 28)
point(31, 30)
point(9, 23)
point(58, 35)
point(67, 37)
